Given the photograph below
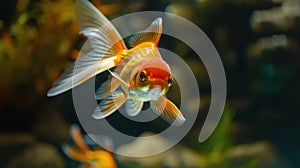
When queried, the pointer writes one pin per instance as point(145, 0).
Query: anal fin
point(132, 107)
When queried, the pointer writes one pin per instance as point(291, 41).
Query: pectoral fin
point(167, 110)
point(118, 77)
point(110, 104)
point(106, 88)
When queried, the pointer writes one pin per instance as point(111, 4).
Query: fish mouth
point(155, 92)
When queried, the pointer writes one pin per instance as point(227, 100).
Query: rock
point(176, 157)
point(261, 152)
point(190, 158)
point(12, 143)
point(259, 149)
point(285, 17)
point(142, 147)
point(38, 155)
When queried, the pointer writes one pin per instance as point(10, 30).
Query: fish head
point(153, 79)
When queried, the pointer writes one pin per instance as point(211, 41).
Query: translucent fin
point(85, 69)
point(90, 19)
point(77, 138)
point(151, 34)
point(118, 77)
point(110, 104)
point(106, 88)
point(101, 49)
point(110, 85)
point(92, 23)
point(167, 110)
point(132, 107)
point(73, 153)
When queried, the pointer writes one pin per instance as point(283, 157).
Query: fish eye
point(142, 76)
point(170, 82)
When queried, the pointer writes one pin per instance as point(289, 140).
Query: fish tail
point(104, 48)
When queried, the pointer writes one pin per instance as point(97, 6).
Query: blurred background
point(258, 42)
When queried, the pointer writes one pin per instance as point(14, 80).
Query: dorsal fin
point(151, 34)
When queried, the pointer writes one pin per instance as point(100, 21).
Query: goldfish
point(82, 153)
point(140, 74)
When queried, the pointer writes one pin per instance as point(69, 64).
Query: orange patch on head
point(157, 73)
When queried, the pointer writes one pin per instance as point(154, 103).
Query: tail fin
point(102, 49)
